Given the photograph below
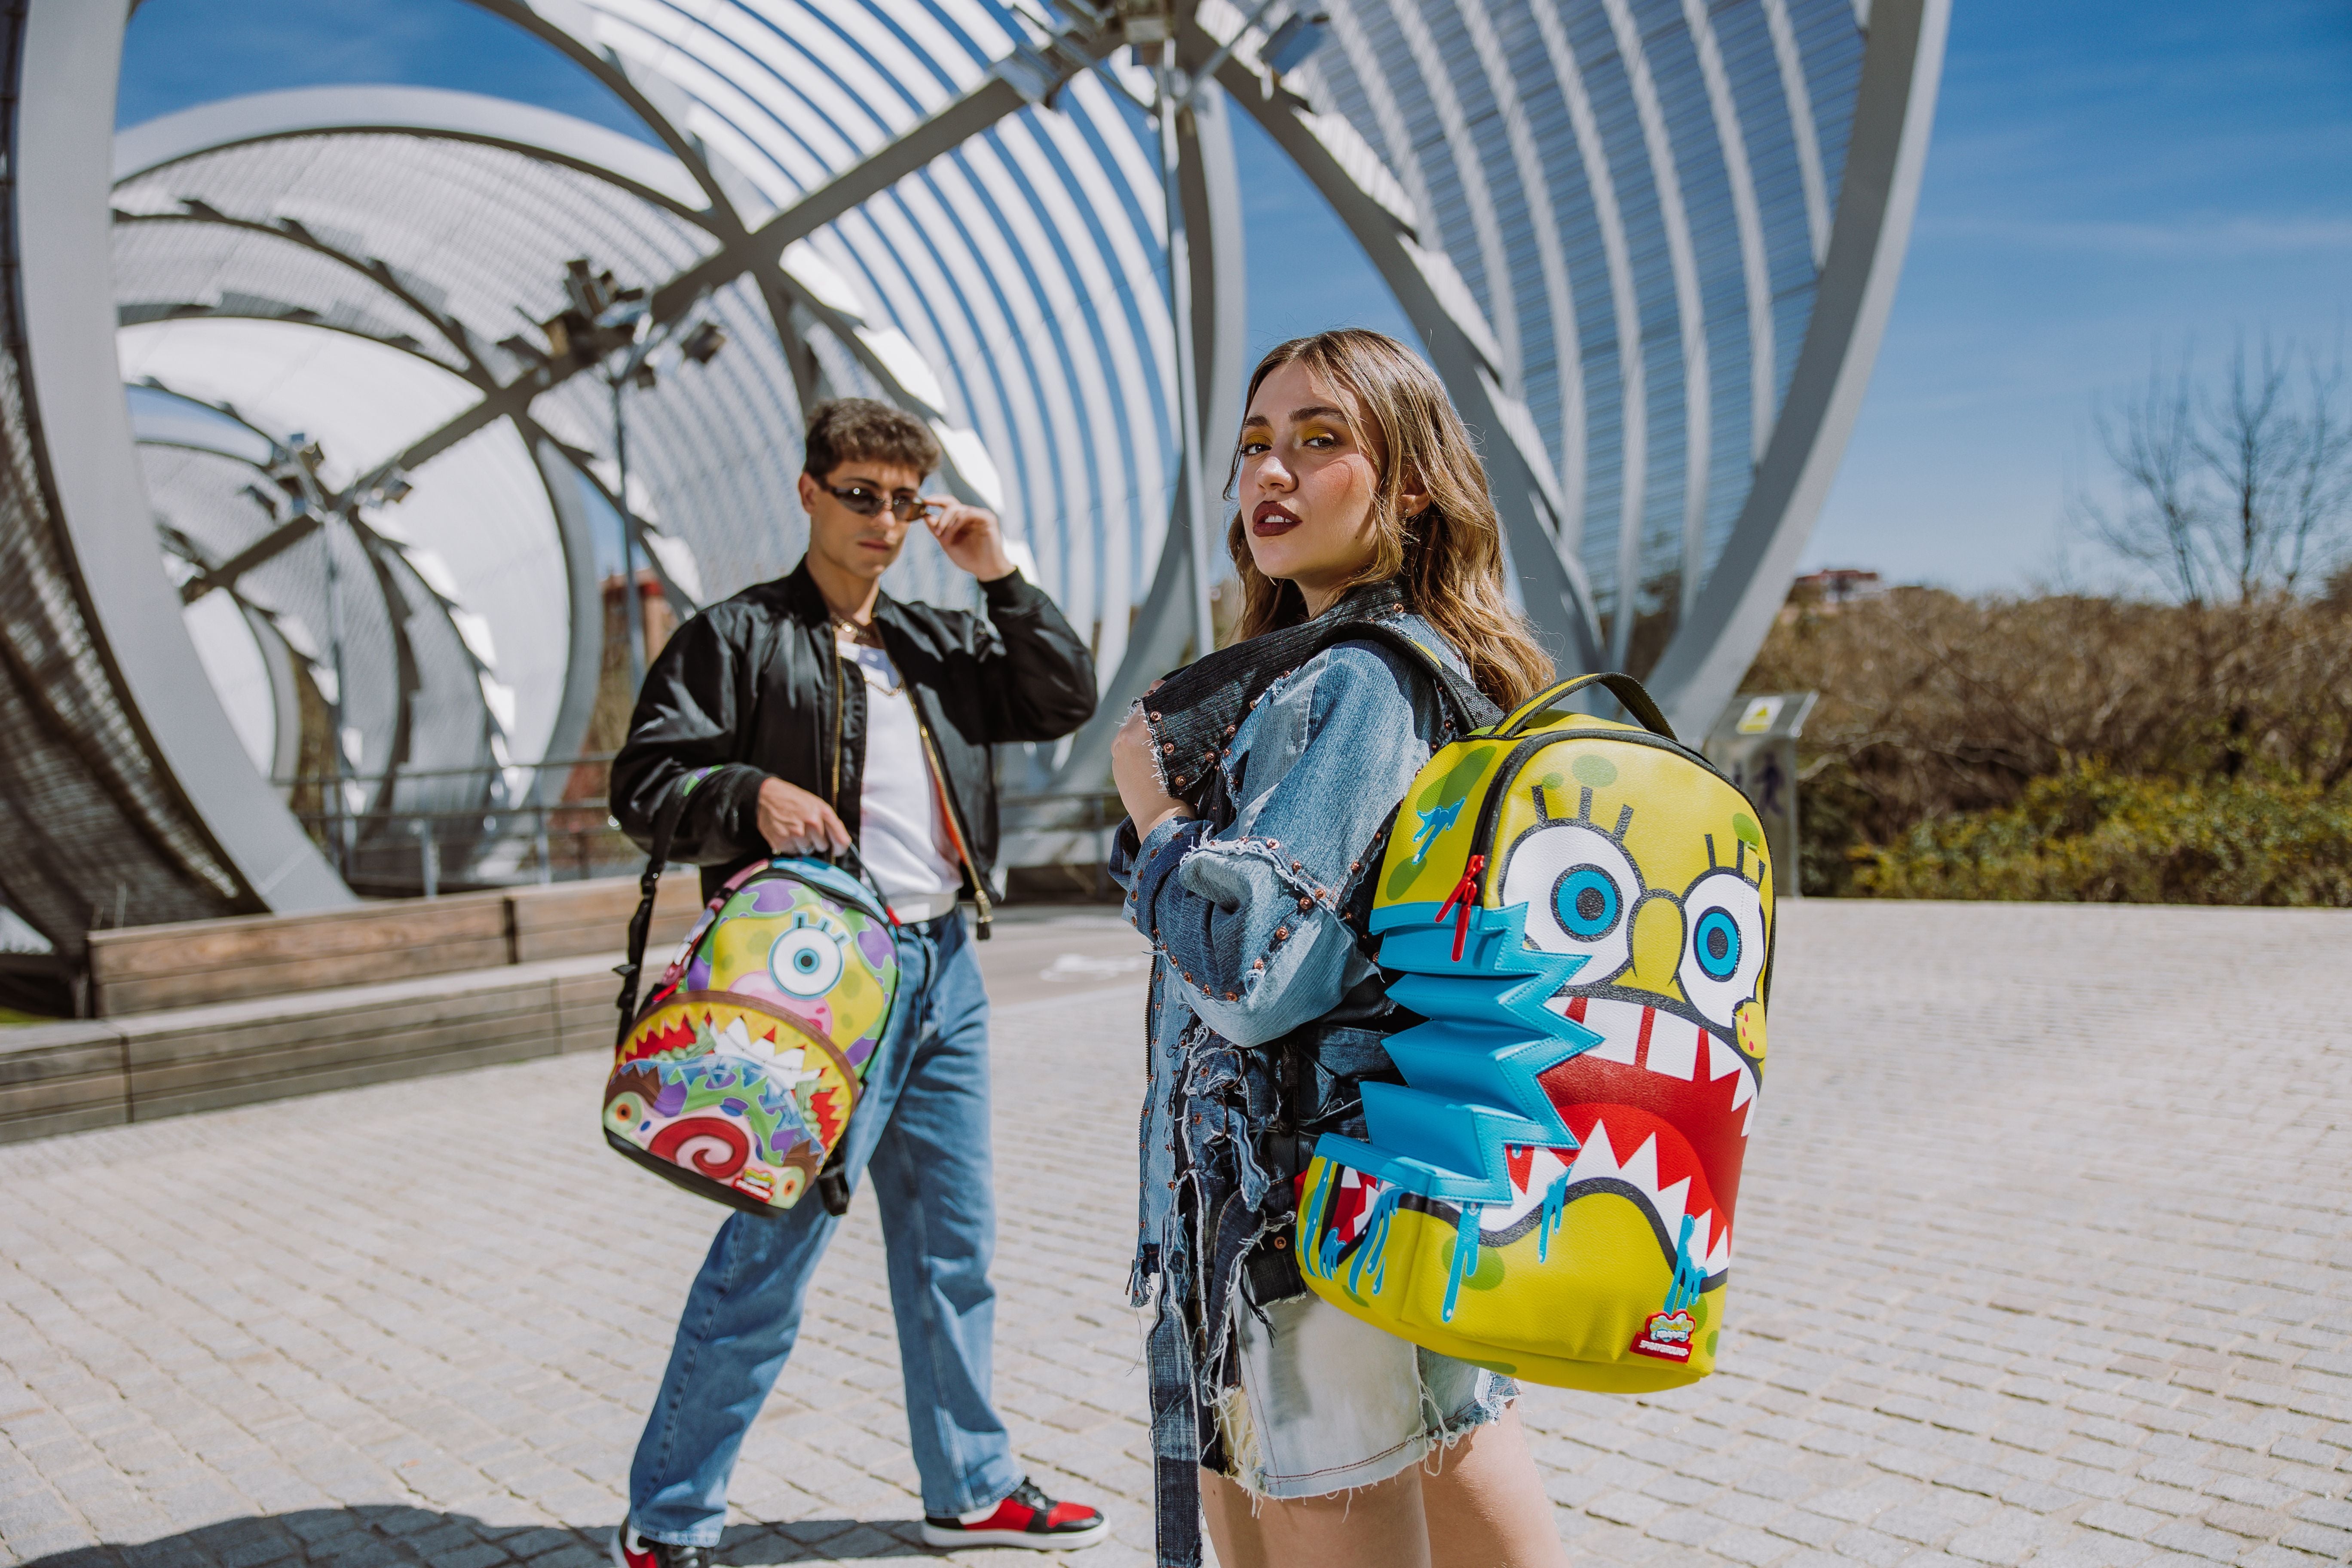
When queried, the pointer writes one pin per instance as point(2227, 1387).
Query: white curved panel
point(232, 662)
point(480, 510)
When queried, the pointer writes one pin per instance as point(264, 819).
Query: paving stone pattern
point(2043, 1259)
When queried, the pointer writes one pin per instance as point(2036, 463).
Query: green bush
point(2087, 835)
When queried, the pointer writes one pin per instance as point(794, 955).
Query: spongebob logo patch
point(1667, 1337)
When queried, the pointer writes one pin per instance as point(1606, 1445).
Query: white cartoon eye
point(1579, 888)
point(1723, 945)
point(805, 961)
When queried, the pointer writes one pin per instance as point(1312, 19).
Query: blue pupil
point(805, 961)
point(1587, 902)
point(1718, 947)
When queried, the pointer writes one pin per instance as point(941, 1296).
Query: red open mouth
point(1661, 1110)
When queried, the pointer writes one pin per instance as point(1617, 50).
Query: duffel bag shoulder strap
point(641, 925)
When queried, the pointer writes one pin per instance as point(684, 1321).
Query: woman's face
point(1310, 474)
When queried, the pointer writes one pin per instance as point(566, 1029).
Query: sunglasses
point(867, 502)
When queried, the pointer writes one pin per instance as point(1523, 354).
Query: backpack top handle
point(1624, 688)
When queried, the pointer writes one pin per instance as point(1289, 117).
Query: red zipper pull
point(1460, 901)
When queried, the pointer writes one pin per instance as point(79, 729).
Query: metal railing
point(436, 829)
point(544, 822)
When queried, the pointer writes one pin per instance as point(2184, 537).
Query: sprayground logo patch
point(1667, 1337)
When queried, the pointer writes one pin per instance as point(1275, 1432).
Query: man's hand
point(795, 822)
point(970, 536)
point(1136, 772)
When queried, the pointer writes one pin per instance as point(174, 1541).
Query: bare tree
point(2235, 490)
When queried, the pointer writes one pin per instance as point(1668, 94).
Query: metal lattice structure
point(1649, 244)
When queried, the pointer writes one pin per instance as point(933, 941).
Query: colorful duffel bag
point(739, 1076)
point(1581, 912)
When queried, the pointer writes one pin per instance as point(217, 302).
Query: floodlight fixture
point(1146, 21)
point(702, 345)
point(1300, 34)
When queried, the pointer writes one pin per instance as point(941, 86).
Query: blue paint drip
point(1376, 1240)
point(1689, 1278)
point(1323, 1255)
point(1555, 1202)
point(1465, 1258)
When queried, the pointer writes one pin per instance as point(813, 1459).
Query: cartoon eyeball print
point(1580, 887)
point(1723, 945)
point(806, 960)
point(1587, 882)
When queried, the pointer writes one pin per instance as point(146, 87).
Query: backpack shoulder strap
point(1465, 704)
point(641, 925)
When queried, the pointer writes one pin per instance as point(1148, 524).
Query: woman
point(1319, 1440)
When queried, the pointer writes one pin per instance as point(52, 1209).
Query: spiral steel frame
point(1649, 244)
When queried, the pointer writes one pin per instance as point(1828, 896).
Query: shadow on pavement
point(389, 1536)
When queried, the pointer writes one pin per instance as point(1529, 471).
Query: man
point(800, 716)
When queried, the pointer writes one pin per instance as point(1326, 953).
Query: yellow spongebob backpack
point(1582, 911)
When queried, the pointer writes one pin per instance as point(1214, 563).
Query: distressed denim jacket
point(1247, 922)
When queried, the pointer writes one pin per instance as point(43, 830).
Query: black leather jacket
point(755, 686)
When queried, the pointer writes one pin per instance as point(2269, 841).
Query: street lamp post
point(633, 609)
point(604, 318)
point(1147, 22)
point(301, 469)
point(1191, 483)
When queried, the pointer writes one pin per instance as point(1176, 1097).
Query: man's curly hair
point(858, 429)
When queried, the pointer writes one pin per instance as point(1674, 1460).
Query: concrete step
point(101, 1072)
point(145, 969)
point(166, 1061)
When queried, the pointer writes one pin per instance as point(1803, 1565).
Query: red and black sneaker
point(631, 1550)
point(1028, 1517)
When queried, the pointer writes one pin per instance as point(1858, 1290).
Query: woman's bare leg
point(1232, 1527)
point(1485, 1505)
point(1373, 1527)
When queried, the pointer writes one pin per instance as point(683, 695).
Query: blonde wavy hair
point(1448, 557)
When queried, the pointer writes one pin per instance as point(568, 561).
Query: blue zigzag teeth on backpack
point(1476, 1063)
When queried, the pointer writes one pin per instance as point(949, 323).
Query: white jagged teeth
point(1546, 1165)
point(1596, 1159)
point(1674, 1047)
point(1642, 1170)
point(1619, 1024)
point(1671, 1202)
point(1718, 1258)
point(1720, 1058)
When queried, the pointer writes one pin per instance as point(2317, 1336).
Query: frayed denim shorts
point(1327, 1404)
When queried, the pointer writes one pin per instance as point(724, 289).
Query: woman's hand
point(1136, 772)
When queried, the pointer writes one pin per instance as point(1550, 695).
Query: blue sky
point(2108, 180)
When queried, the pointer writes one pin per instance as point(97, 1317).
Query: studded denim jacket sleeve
point(1248, 920)
point(1245, 921)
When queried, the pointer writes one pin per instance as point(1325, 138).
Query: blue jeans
point(920, 1130)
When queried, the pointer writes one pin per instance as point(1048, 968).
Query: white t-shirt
point(902, 831)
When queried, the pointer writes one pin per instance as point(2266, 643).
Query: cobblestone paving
point(2046, 1259)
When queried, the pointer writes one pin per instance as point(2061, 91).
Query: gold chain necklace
point(868, 636)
